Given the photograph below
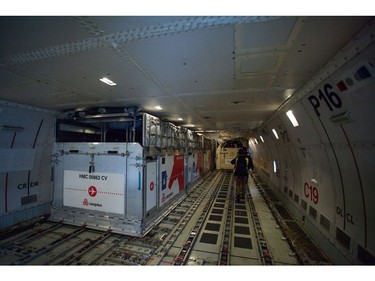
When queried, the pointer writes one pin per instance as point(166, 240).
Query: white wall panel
point(333, 151)
point(26, 137)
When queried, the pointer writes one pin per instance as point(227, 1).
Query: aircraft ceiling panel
point(23, 34)
point(270, 34)
point(264, 63)
point(238, 120)
point(236, 99)
point(258, 81)
point(85, 70)
point(193, 67)
point(12, 79)
point(188, 62)
point(318, 40)
point(113, 24)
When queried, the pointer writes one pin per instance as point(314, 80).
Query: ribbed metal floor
point(206, 228)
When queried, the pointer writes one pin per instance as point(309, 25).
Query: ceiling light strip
point(107, 81)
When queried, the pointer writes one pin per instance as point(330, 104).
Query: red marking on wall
point(110, 193)
point(177, 172)
point(200, 163)
point(92, 191)
point(85, 202)
point(311, 192)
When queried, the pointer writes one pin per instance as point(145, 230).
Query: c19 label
point(311, 192)
point(329, 97)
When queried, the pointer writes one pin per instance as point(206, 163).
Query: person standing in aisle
point(242, 164)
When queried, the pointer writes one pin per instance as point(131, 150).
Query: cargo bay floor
point(208, 227)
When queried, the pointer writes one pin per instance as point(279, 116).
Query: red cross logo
point(92, 191)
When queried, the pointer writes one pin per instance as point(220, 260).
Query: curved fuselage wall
point(323, 169)
point(26, 141)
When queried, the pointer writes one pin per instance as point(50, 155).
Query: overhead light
point(261, 138)
point(158, 107)
point(292, 118)
point(107, 81)
point(274, 132)
point(180, 119)
point(288, 93)
point(274, 166)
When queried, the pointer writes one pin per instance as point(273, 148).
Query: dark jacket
point(242, 164)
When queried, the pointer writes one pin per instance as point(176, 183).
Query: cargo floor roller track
point(207, 227)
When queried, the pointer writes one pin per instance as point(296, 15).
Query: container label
point(94, 191)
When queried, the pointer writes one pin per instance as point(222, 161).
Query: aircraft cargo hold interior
point(205, 227)
point(120, 135)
